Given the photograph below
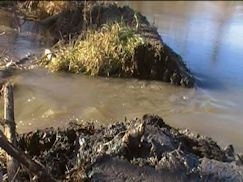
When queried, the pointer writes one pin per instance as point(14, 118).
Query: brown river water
point(209, 37)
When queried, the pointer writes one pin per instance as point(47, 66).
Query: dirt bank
point(151, 59)
point(144, 149)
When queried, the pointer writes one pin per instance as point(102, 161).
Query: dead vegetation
point(107, 51)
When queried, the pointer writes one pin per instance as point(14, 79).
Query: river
point(208, 35)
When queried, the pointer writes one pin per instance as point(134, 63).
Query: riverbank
point(122, 155)
point(135, 49)
point(145, 146)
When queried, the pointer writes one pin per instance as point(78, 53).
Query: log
point(9, 129)
point(33, 166)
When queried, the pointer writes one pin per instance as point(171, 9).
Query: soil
point(144, 149)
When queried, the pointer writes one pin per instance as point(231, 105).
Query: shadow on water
point(206, 82)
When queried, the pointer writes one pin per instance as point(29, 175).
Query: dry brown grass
point(105, 52)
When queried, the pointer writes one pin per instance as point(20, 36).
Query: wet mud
point(145, 149)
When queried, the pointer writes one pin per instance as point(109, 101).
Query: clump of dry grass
point(52, 7)
point(43, 9)
point(104, 52)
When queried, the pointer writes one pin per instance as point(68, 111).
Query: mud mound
point(139, 150)
point(150, 60)
point(153, 60)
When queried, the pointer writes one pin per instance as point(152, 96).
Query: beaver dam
point(75, 62)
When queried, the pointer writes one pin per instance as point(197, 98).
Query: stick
point(36, 168)
point(8, 143)
point(9, 129)
point(50, 20)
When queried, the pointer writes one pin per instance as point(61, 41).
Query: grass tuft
point(104, 52)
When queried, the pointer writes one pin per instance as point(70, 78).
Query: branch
point(36, 168)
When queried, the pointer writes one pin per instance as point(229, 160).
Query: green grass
point(104, 52)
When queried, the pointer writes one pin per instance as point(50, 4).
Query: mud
point(144, 149)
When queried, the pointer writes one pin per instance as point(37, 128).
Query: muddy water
point(209, 37)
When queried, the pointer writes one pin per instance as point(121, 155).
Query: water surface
point(209, 37)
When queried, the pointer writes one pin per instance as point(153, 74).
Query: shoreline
point(124, 150)
point(139, 50)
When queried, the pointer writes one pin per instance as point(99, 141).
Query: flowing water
point(208, 35)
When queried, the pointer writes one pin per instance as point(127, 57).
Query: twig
point(15, 175)
point(241, 160)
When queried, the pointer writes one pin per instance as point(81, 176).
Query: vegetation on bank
point(107, 51)
point(101, 38)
